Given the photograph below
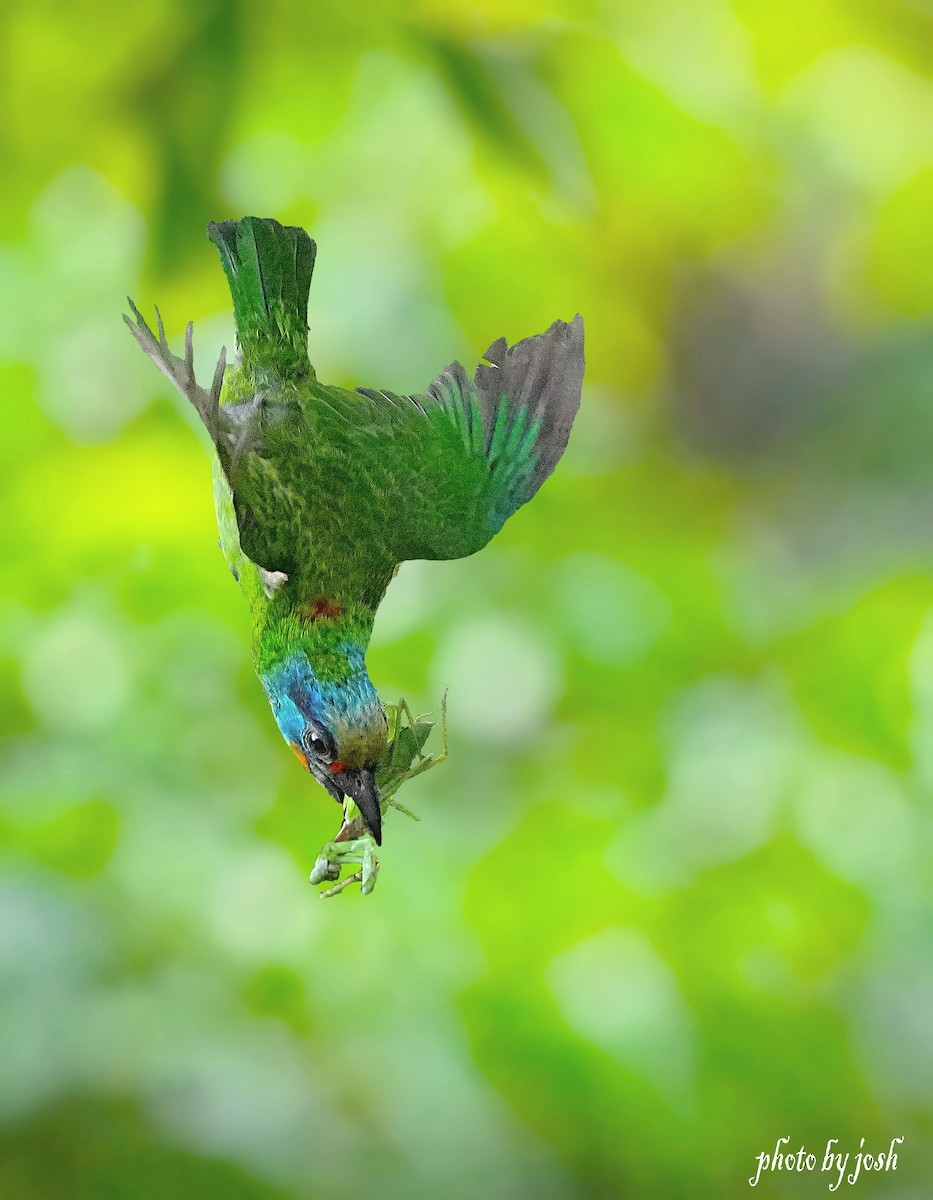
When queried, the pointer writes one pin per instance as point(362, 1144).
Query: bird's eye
point(319, 743)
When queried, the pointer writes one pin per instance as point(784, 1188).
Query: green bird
point(321, 493)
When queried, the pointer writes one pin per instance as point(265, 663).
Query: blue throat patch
point(297, 695)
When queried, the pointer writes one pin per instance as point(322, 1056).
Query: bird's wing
point(332, 489)
point(238, 431)
point(461, 457)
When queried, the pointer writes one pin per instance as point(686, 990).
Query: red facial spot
point(337, 767)
point(322, 607)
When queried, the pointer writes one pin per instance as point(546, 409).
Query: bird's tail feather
point(268, 267)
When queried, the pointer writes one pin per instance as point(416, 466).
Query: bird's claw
point(324, 871)
point(334, 854)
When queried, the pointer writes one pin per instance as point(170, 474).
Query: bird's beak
point(360, 786)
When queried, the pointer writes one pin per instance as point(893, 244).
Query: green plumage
point(335, 488)
point(268, 267)
point(322, 492)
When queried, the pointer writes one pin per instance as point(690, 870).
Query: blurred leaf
point(850, 671)
point(470, 75)
point(904, 238)
point(104, 1150)
point(79, 840)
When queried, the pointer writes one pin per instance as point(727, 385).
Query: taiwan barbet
point(322, 492)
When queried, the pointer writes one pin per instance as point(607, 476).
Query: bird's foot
point(352, 845)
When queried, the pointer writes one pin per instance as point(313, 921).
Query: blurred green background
point(670, 896)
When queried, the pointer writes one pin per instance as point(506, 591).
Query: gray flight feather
point(543, 375)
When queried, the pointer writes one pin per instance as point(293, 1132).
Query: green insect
point(322, 492)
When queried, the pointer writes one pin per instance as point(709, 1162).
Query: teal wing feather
point(466, 453)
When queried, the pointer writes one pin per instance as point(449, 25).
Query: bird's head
point(333, 721)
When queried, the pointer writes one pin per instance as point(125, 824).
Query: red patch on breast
point(321, 607)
